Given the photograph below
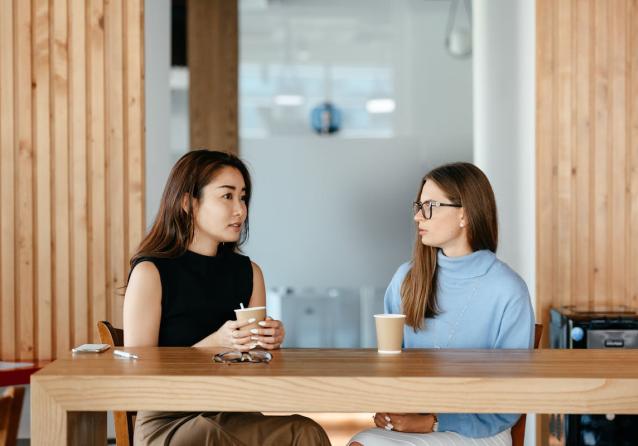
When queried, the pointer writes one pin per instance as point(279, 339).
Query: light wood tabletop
point(70, 395)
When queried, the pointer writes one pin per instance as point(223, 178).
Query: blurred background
point(331, 216)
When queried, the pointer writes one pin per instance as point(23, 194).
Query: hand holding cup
point(270, 334)
point(263, 331)
point(235, 335)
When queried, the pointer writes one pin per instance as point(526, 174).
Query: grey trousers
point(226, 429)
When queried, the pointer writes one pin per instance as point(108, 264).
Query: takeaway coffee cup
point(389, 332)
point(243, 314)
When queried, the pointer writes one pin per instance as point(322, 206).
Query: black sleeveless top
point(199, 294)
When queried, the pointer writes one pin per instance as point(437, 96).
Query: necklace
point(452, 332)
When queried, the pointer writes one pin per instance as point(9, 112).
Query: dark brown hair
point(173, 228)
point(467, 185)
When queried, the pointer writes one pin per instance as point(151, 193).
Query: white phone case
point(91, 348)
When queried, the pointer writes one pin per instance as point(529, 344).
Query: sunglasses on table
point(235, 357)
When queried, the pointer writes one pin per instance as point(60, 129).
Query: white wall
point(504, 106)
point(330, 212)
point(504, 128)
point(439, 87)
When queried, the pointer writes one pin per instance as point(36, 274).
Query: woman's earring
point(461, 224)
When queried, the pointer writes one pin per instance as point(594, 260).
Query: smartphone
point(91, 348)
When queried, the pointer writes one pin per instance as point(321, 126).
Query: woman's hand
point(232, 334)
point(271, 334)
point(405, 422)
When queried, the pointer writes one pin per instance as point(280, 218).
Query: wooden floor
point(341, 426)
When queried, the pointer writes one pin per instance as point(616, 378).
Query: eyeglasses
point(234, 357)
point(426, 208)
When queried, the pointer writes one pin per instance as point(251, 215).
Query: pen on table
point(125, 354)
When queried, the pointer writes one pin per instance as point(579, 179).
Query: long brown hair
point(173, 228)
point(467, 185)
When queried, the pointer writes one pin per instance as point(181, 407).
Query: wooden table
point(70, 396)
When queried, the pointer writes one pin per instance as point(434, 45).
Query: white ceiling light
point(381, 105)
point(458, 38)
point(289, 100)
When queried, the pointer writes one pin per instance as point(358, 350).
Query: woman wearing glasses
point(455, 293)
point(187, 278)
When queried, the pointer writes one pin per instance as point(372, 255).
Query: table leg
point(53, 425)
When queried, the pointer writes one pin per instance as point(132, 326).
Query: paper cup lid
point(390, 315)
point(250, 309)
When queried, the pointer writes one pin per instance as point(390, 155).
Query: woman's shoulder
point(503, 278)
point(145, 265)
point(149, 261)
point(237, 258)
point(144, 271)
point(401, 272)
point(240, 265)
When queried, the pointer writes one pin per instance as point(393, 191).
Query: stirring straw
point(241, 305)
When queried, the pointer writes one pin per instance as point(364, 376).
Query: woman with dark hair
point(456, 294)
point(187, 278)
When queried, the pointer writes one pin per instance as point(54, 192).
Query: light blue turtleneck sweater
point(483, 304)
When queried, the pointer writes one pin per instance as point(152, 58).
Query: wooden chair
point(124, 421)
point(518, 430)
point(10, 410)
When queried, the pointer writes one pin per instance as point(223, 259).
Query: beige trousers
point(226, 429)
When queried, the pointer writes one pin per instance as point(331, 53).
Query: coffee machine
point(610, 327)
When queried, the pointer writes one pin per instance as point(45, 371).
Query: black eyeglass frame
point(255, 357)
point(418, 206)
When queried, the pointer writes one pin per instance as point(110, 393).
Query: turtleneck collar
point(465, 267)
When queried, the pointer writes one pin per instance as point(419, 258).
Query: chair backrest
point(124, 421)
point(10, 410)
point(518, 430)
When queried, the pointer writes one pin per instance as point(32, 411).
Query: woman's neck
point(457, 250)
point(203, 246)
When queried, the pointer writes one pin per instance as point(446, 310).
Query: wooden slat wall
point(71, 168)
point(587, 148)
point(213, 56)
point(587, 156)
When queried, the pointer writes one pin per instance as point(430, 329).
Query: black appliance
point(574, 327)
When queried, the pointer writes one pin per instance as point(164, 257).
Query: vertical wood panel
point(96, 145)
point(545, 196)
point(587, 129)
point(545, 137)
point(563, 208)
point(582, 148)
point(42, 144)
point(632, 145)
point(586, 123)
point(24, 184)
point(77, 149)
point(7, 179)
point(134, 134)
point(115, 171)
point(71, 168)
point(602, 149)
point(618, 222)
point(213, 63)
point(591, 158)
point(59, 122)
